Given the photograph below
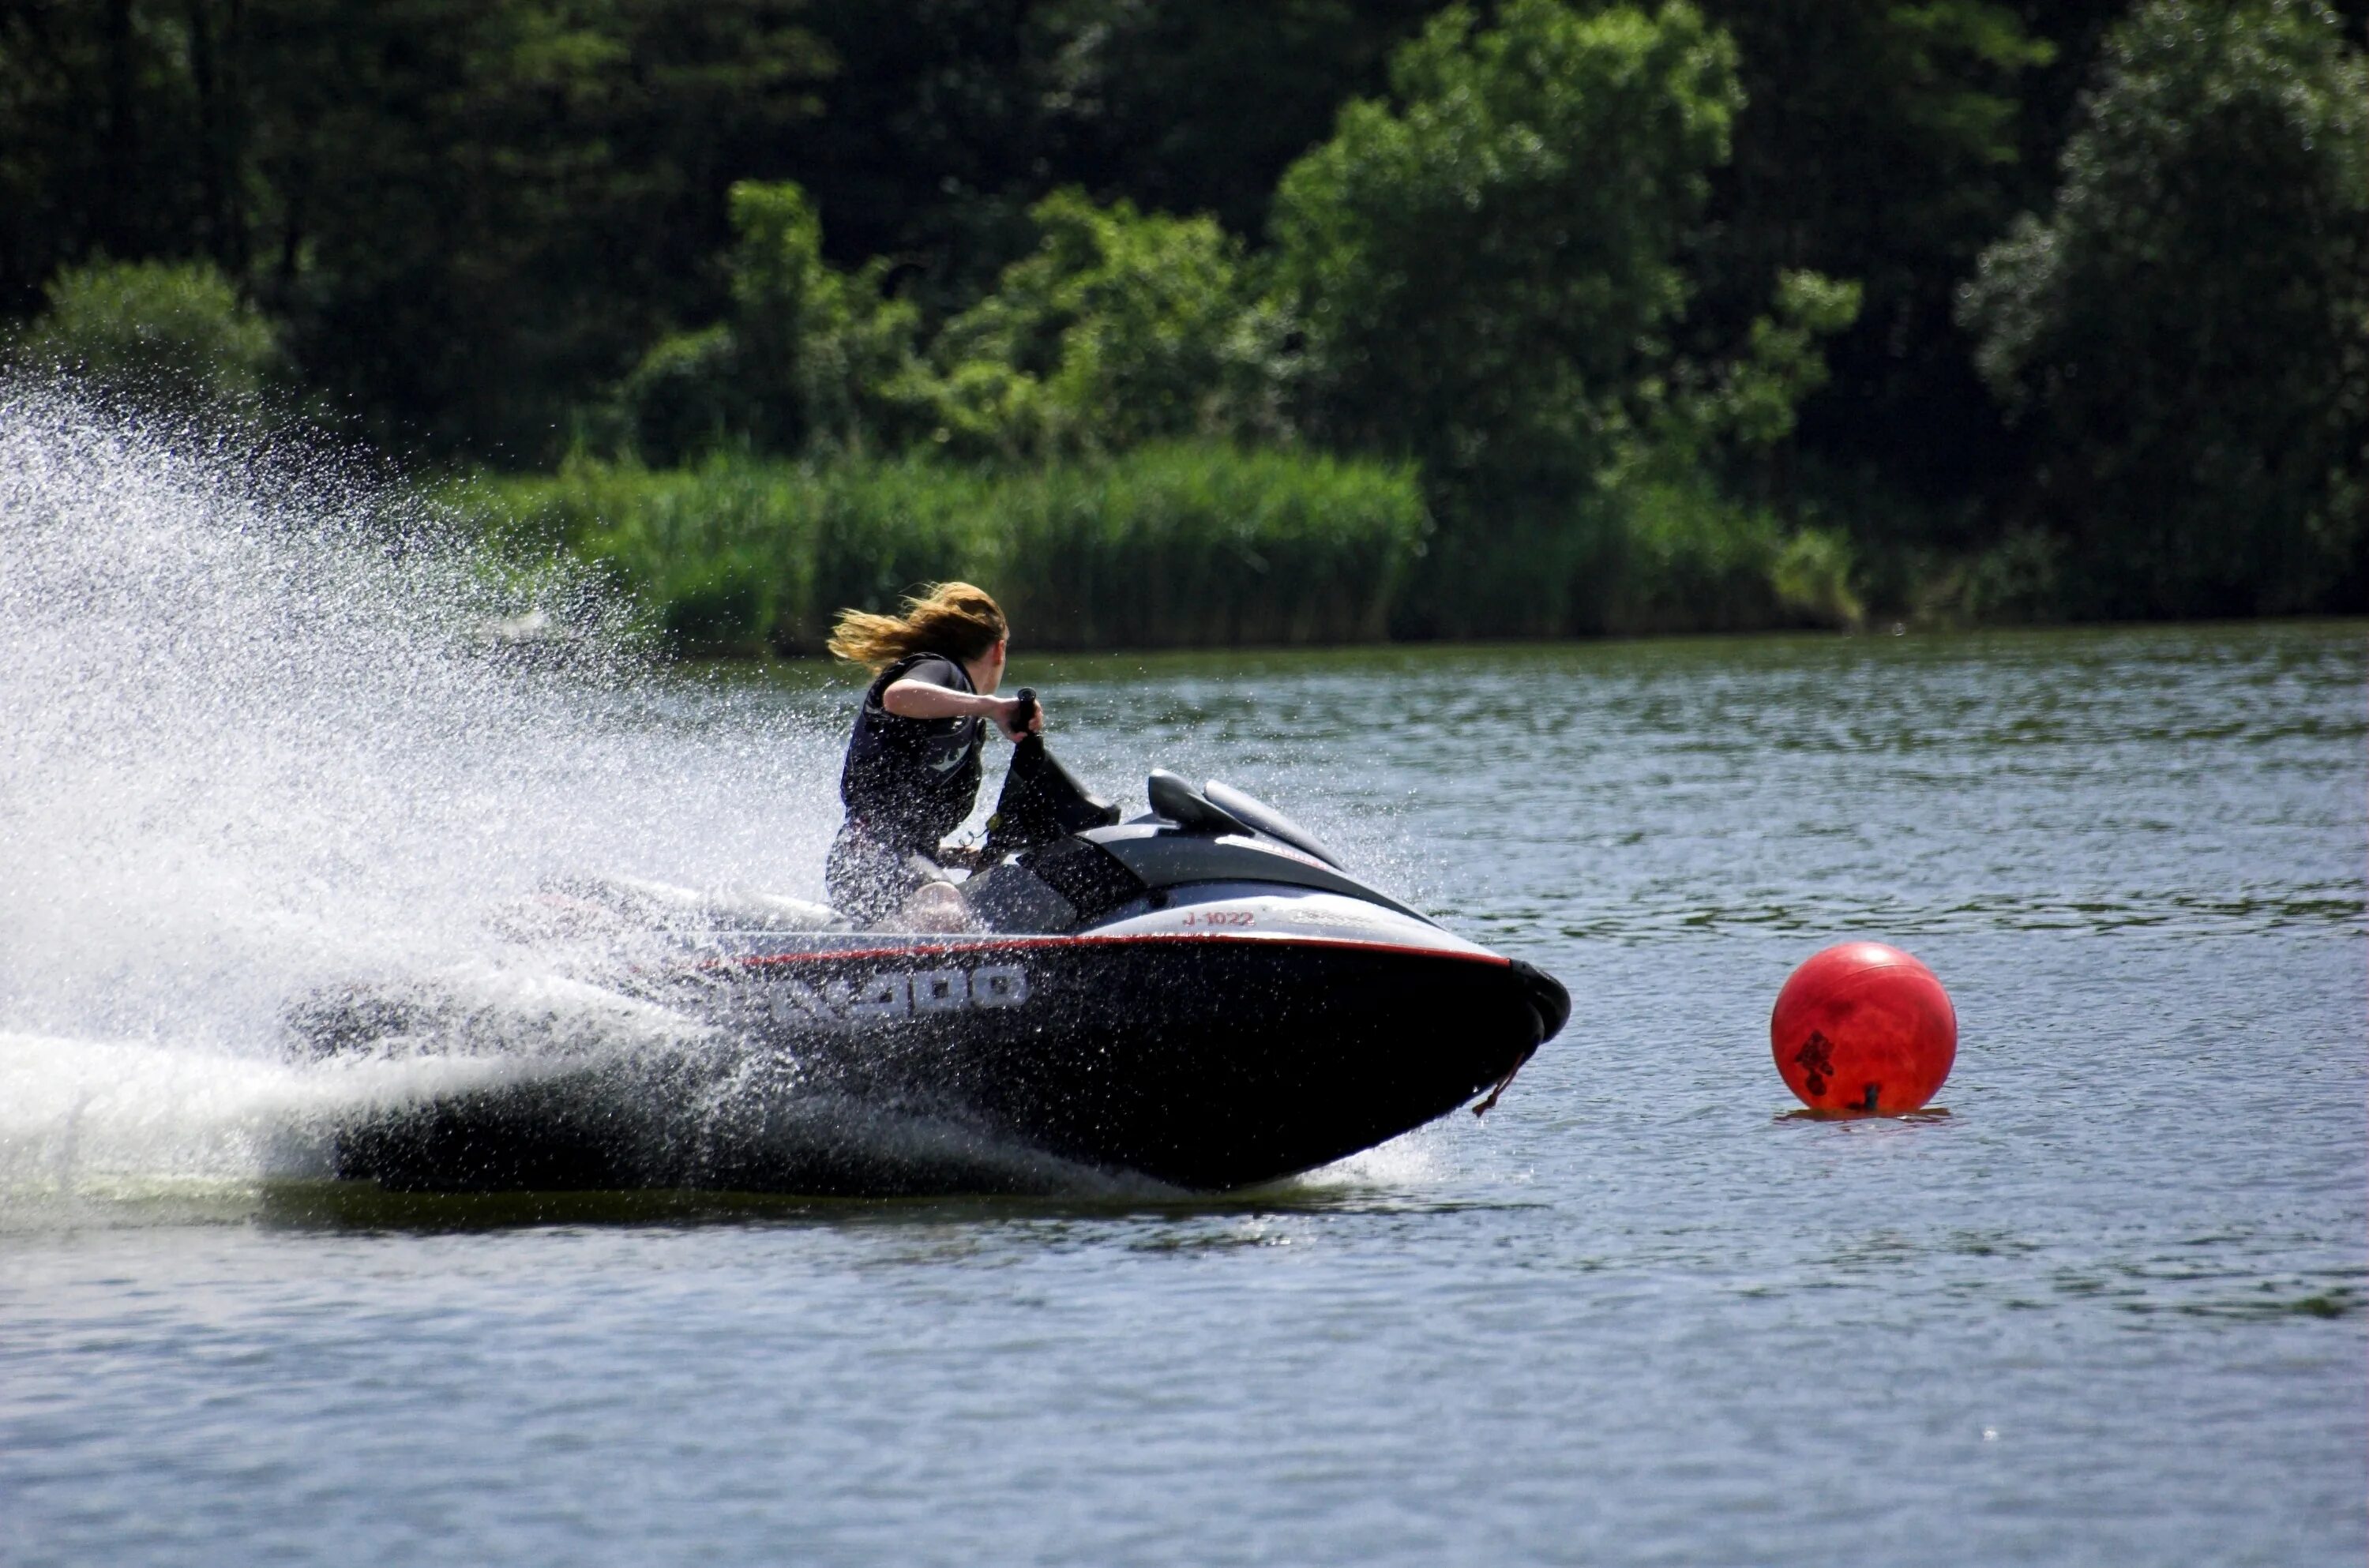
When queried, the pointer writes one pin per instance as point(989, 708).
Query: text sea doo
point(1200, 996)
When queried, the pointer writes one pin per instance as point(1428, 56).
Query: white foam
point(1411, 1160)
point(77, 1111)
point(255, 738)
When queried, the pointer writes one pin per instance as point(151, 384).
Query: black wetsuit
point(907, 784)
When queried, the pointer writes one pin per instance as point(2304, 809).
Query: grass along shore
point(1165, 547)
point(1171, 546)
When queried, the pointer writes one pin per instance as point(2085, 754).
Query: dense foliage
point(1483, 265)
point(174, 333)
point(1732, 313)
point(2188, 328)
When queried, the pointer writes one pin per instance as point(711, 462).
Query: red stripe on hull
point(999, 944)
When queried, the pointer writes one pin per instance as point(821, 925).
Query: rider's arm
point(921, 698)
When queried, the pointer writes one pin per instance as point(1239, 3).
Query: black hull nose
point(1549, 1001)
point(1196, 1064)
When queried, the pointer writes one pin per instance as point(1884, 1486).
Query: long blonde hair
point(958, 619)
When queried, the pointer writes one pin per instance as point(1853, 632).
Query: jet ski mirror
point(1187, 808)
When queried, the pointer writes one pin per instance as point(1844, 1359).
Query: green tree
point(827, 354)
point(1121, 327)
point(164, 333)
point(2187, 330)
point(1880, 143)
point(948, 119)
point(936, 135)
point(1483, 268)
point(120, 137)
point(482, 211)
point(468, 216)
point(1199, 106)
point(809, 358)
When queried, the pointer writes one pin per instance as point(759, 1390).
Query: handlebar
point(1027, 698)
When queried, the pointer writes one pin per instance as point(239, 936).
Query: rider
point(912, 771)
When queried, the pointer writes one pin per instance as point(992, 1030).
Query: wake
point(263, 729)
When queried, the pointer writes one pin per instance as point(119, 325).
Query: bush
point(1482, 266)
point(1121, 327)
point(1812, 577)
point(812, 360)
point(2187, 333)
point(1167, 546)
point(1171, 546)
point(158, 333)
point(1690, 559)
point(826, 354)
point(685, 397)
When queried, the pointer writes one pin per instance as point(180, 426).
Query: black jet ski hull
point(917, 1065)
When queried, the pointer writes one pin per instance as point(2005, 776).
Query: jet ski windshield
point(1255, 813)
point(1221, 808)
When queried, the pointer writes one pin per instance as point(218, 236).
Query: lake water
point(2109, 1309)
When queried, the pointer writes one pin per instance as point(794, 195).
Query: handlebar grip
point(1027, 698)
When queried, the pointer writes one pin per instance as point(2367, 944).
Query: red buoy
point(1864, 1027)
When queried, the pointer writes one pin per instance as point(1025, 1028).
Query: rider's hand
point(1007, 714)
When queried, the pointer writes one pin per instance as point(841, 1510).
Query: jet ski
point(1199, 998)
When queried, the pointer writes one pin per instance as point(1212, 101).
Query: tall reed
point(1163, 547)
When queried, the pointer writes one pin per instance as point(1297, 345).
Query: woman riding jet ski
point(1201, 995)
point(912, 769)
